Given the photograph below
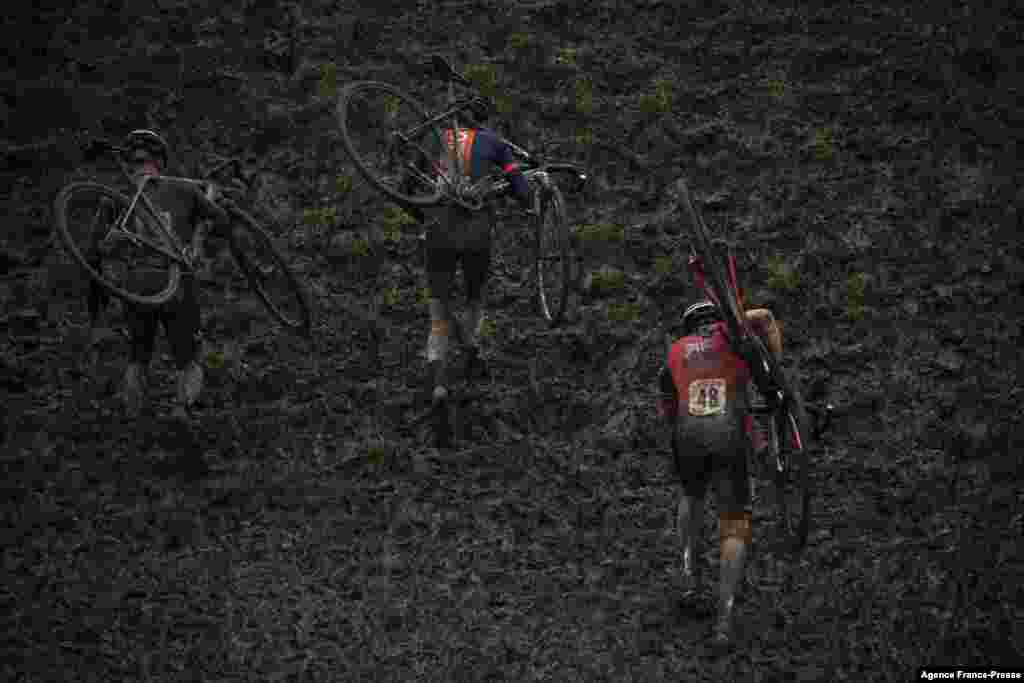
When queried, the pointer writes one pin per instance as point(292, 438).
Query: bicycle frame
point(455, 183)
point(181, 255)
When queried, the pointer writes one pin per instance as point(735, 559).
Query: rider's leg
point(437, 346)
point(440, 272)
point(693, 468)
point(182, 321)
point(98, 300)
point(734, 538)
point(142, 326)
point(476, 266)
point(689, 520)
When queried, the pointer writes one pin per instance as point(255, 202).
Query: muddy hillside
point(863, 158)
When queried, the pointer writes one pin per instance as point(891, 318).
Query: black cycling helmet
point(699, 314)
point(148, 141)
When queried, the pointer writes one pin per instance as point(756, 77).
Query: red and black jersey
point(703, 374)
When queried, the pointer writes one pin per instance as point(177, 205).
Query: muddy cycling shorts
point(460, 238)
point(713, 446)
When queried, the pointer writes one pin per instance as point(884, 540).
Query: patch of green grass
point(377, 453)
point(608, 280)
point(215, 360)
point(601, 232)
point(392, 296)
point(824, 144)
point(520, 41)
point(782, 277)
point(484, 77)
point(856, 289)
point(423, 295)
point(328, 83)
point(567, 56)
point(660, 101)
point(584, 136)
point(663, 265)
point(394, 219)
point(488, 328)
point(584, 94)
point(343, 184)
point(325, 216)
point(360, 247)
point(624, 311)
point(777, 88)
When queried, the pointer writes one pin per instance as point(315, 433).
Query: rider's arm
point(668, 401)
point(208, 209)
point(510, 167)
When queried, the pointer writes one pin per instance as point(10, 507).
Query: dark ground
point(865, 159)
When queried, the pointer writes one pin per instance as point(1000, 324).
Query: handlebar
point(446, 72)
point(822, 415)
point(234, 163)
point(98, 147)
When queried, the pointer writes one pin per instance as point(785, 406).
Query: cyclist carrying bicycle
point(186, 208)
point(462, 236)
point(706, 393)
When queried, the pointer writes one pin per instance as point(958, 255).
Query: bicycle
point(111, 235)
point(413, 164)
point(791, 432)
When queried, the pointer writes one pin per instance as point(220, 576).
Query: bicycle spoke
point(265, 262)
point(384, 133)
point(126, 253)
point(553, 259)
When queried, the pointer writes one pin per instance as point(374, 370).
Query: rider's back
point(480, 152)
point(710, 382)
point(180, 206)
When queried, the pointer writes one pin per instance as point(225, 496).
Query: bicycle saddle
point(445, 71)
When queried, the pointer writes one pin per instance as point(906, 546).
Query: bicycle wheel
point(136, 261)
point(268, 273)
point(792, 473)
point(713, 266)
point(391, 140)
point(553, 260)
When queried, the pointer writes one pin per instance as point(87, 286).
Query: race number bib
point(707, 397)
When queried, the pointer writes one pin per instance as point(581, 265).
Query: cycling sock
point(438, 374)
point(734, 535)
point(437, 343)
point(689, 518)
point(734, 526)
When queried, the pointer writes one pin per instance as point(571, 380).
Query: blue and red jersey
point(480, 149)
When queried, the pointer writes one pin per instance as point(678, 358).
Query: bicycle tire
point(391, 185)
point(713, 268)
point(792, 472)
point(554, 284)
point(792, 466)
point(155, 245)
point(288, 292)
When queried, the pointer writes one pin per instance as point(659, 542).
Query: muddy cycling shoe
point(439, 416)
point(476, 366)
point(133, 390)
point(190, 384)
point(689, 587)
point(722, 635)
